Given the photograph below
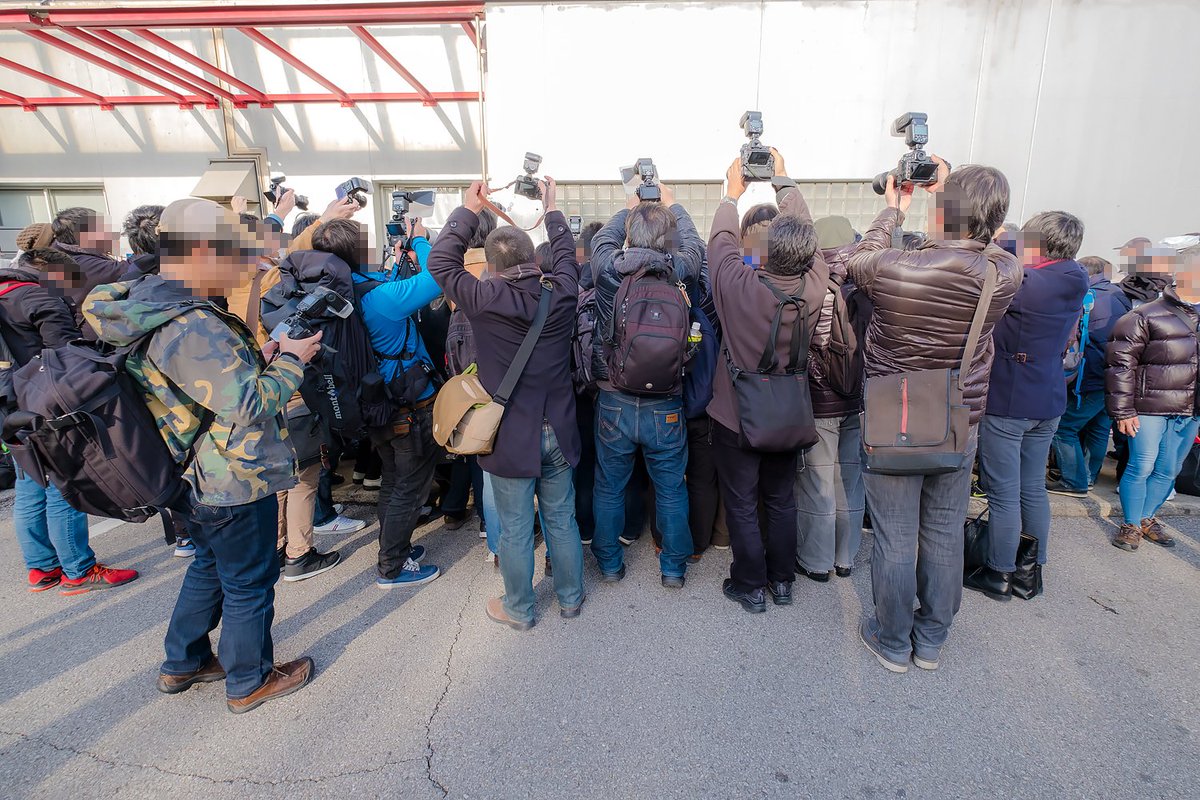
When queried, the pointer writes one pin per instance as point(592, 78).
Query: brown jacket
point(1152, 362)
point(746, 307)
point(924, 301)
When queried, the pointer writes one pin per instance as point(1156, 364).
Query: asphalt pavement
point(1090, 691)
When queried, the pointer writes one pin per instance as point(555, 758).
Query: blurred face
point(754, 246)
point(1187, 281)
point(211, 269)
point(1031, 250)
point(98, 237)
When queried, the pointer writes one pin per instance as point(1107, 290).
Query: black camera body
point(648, 191)
point(356, 189)
point(277, 191)
point(401, 203)
point(576, 224)
point(915, 166)
point(526, 185)
point(321, 303)
point(758, 163)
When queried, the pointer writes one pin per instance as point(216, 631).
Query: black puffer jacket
point(924, 302)
point(1151, 365)
point(98, 269)
point(33, 317)
point(826, 402)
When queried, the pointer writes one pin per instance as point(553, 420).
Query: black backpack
point(332, 382)
point(843, 360)
point(84, 426)
point(650, 324)
point(460, 344)
point(582, 343)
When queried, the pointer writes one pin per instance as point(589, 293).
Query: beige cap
point(196, 220)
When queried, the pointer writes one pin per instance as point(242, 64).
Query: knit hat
point(35, 237)
point(833, 232)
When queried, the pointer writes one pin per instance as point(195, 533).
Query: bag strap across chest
point(981, 309)
point(521, 359)
point(801, 335)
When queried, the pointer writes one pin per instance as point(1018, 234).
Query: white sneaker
point(341, 524)
point(372, 483)
point(489, 557)
point(1171, 496)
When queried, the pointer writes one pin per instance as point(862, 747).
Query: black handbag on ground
point(1027, 577)
point(775, 412)
point(975, 542)
point(916, 423)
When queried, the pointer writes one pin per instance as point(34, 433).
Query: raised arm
point(446, 256)
point(562, 243)
point(864, 263)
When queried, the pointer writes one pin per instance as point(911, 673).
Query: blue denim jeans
point(232, 577)
point(50, 532)
point(555, 492)
point(1012, 468)
point(1081, 441)
point(491, 517)
point(830, 497)
point(918, 557)
point(1155, 455)
point(657, 425)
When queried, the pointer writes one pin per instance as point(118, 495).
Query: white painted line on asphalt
point(104, 526)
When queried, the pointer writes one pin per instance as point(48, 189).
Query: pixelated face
point(754, 247)
point(97, 235)
point(1187, 280)
point(216, 268)
point(1030, 248)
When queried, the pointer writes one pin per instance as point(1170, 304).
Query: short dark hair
point(341, 237)
point(69, 222)
point(543, 256)
point(487, 224)
point(791, 245)
point(1095, 265)
point(507, 247)
point(141, 229)
point(1060, 234)
point(763, 212)
point(304, 222)
point(585, 237)
point(45, 257)
point(973, 202)
point(652, 226)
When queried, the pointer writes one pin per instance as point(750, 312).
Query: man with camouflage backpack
point(212, 391)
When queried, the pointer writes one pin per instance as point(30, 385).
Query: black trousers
point(408, 462)
point(703, 488)
point(465, 477)
point(767, 551)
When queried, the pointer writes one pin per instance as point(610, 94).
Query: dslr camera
point(321, 303)
point(356, 189)
point(915, 166)
point(758, 164)
point(277, 191)
point(526, 185)
point(401, 203)
point(649, 190)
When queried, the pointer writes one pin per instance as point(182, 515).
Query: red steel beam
point(42, 36)
point(188, 78)
point(296, 63)
point(94, 98)
point(471, 34)
point(94, 39)
point(197, 61)
point(16, 99)
point(427, 13)
point(381, 51)
point(160, 100)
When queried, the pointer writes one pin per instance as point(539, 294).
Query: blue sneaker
point(411, 574)
point(184, 547)
point(416, 552)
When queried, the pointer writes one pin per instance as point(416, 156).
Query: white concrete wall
point(1086, 106)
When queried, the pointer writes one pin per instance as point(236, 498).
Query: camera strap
point(504, 215)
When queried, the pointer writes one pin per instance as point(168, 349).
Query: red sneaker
point(41, 581)
point(98, 577)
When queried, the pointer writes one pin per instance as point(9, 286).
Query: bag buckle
point(1020, 358)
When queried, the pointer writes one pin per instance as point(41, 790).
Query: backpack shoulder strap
point(517, 367)
point(800, 334)
point(981, 309)
point(9, 286)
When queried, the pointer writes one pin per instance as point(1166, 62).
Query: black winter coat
point(33, 317)
point(1152, 360)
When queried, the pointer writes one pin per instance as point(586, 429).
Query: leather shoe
point(496, 613)
point(996, 585)
point(613, 577)
point(283, 680)
point(781, 592)
point(843, 572)
point(174, 684)
point(754, 601)
point(819, 577)
point(673, 581)
point(571, 613)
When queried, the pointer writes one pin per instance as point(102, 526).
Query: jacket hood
point(520, 271)
point(121, 313)
point(1143, 288)
point(306, 269)
point(13, 272)
point(635, 258)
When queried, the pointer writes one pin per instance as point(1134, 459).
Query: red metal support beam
point(381, 51)
point(94, 39)
point(163, 100)
point(16, 99)
point(416, 13)
point(469, 28)
point(91, 97)
point(197, 61)
point(297, 64)
point(42, 36)
point(188, 78)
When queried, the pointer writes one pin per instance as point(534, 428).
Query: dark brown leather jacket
point(1151, 363)
point(924, 301)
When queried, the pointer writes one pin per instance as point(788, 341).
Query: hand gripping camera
point(277, 191)
point(649, 190)
point(526, 185)
point(321, 303)
point(356, 189)
point(401, 203)
point(758, 164)
point(915, 166)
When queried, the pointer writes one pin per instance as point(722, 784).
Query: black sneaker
point(1060, 488)
point(754, 602)
point(310, 565)
point(977, 491)
point(781, 592)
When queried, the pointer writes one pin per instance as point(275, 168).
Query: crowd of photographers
point(761, 391)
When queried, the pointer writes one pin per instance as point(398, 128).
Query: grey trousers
point(830, 496)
